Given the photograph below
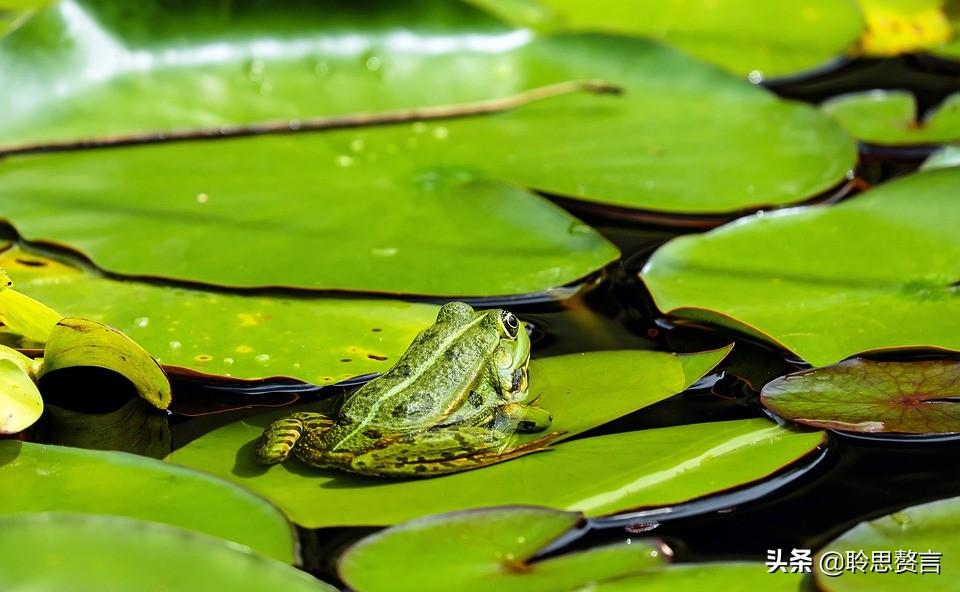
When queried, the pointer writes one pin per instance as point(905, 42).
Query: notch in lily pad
point(75, 342)
point(871, 396)
point(489, 549)
point(499, 548)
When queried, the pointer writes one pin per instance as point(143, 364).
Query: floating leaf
point(925, 534)
point(708, 576)
point(598, 475)
point(486, 550)
point(772, 38)
point(809, 279)
point(891, 118)
point(90, 553)
point(493, 549)
point(83, 343)
point(14, 13)
point(951, 49)
point(20, 401)
point(306, 205)
point(921, 397)
point(903, 26)
point(385, 256)
point(318, 340)
point(24, 316)
point(55, 478)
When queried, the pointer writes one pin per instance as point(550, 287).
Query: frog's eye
point(510, 323)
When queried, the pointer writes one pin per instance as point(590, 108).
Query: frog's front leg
point(281, 436)
point(444, 450)
point(522, 418)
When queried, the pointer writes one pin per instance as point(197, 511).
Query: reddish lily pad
point(917, 397)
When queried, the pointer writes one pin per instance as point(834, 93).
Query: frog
point(454, 401)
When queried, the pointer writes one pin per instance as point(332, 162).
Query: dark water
point(803, 506)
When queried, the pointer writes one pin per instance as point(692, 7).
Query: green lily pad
point(493, 549)
point(921, 397)
point(809, 280)
point(772, 38)
point(396, 253)
point(20, 401)
point(925, 534)
point(22, 315)
point(609, 476)
point(78, 342)
point(14, 13)
point(91, 553)
point(951, 49)
point(62, 479)
point(486, 550)
point(948, 156)
point(599, 476)
point(726, 575)
point(891, 118)
point(283, 188)
point(320, 340)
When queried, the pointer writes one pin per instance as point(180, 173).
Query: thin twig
point(486, 107)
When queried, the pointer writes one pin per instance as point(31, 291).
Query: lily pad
point(772, 38)
point(725, 575)
point(55, 478)
point(20, 401)
point(486, 550)
point(921, 397)
point(91, 553)
point(891, 118)
point(598, 475)
point(926, 535)
point(951, 49)
point(78, 342)
point(808, 279)
point(320, 340)
point(493, 549)
point(14, 13)
point(317, 201)
point(895, 27)
point(24, 316)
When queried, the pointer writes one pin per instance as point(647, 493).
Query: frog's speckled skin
point(450, 403)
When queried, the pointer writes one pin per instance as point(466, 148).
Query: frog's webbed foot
point(281, 436)
point(445, 450)
point(522, 418)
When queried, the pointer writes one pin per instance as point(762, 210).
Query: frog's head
point(512, 356)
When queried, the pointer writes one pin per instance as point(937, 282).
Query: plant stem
point(438, 112)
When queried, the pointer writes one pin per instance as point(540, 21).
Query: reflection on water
point(135, 427)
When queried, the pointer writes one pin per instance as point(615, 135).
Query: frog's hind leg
point(445, 450)
point(281, 436)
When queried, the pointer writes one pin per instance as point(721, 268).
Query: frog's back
point(430, 380)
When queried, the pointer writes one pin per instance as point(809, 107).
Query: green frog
point(452, 402)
